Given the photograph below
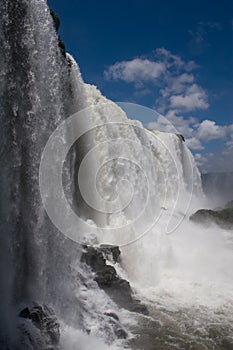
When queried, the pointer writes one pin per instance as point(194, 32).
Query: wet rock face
point(44, 319)
point(111, 252)
point(106, 276)
point(221, 217)
point(93, 258)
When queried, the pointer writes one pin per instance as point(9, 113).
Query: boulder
point(93, 258)
point(106, 276)
point(45, 320)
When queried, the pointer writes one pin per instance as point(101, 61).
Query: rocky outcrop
point(110, 252)
point(56, 19)
point(181, 137)
point(44, 320)
point(106, 276)
point(221, 217)
point(56, 22)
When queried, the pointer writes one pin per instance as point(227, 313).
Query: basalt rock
point(44, 319)
point(106, 276)
point(93, 258)
point(56, 19)
point(111, 252)
point(56, 23)
point(222, 217)
point(181, 137)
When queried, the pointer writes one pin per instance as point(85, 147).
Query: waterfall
point(123, 184)
point(39, 89)
point(218, 187)
point(141, 188)
point(35, 98)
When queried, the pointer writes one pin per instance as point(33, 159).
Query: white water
point(179, 263)
point(140, 185)
point(37, 263)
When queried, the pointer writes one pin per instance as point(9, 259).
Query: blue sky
point(173, 56)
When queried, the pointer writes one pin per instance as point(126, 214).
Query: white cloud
point(173, 123)
point(230, 144)
point(174, 61)
point(176, 72)
point(183, 125)
point(194, 144)
point(172, 75)
point(174, 83)
point(194, 98)
point(203, 161)
point(185, 78)
point(135, 70)
point(208, 130)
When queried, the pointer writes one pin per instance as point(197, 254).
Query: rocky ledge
point(106, 276)
point(44, 321)
point(223, 217)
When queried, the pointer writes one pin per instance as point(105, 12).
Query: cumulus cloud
point(230, 142)
point(178, 97)
point(179, 83)
point(201, 160)
point(135, 70)
point(182, 125)
point(174, 77)
point(174, 61)
point(208, 130)
point(173, 123)
point(194, 144)
point(193, 98)
point(176, 72)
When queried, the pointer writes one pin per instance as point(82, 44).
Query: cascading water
point(186, 271)
point(132, 187)
point(160, 246)
point(142, 187)
point(30, 109)
point(218, 187)
point(38, 264)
